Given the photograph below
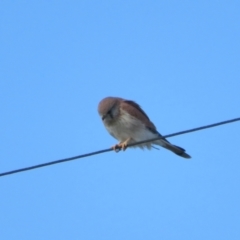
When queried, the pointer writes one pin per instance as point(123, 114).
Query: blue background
point(179, 60)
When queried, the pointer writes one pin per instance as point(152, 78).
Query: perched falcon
point(127, 122)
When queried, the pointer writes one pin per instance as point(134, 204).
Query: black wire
point(110, 149)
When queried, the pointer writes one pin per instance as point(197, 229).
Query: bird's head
point(108, 109)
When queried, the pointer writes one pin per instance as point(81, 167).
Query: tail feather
point(175, 149)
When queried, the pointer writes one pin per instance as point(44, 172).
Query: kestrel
point(127, 122)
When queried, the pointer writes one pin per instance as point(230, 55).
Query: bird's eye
point(110, 113)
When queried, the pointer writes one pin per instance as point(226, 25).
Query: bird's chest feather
point(126, 127)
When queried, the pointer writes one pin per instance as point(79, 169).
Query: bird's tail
point(175, 149)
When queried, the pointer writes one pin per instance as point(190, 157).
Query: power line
point(110, 149)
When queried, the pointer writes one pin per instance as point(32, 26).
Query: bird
point(126, 121)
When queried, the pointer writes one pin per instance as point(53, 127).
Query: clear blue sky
point(180, 60)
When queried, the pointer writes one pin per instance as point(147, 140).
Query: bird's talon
point(124, 146)
point(121, 146)
point(116, 148)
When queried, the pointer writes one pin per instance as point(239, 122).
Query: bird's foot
point(121, 146)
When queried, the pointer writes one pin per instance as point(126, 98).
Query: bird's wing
point(136, 111)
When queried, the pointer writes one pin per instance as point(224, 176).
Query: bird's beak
point(103, 117)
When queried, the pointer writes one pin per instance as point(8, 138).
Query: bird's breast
point(126, 126)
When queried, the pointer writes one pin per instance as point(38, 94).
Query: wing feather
point(136, 111)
